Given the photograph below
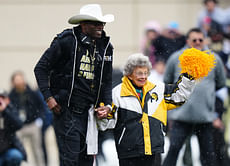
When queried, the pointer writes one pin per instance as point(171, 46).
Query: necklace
point(93, 55)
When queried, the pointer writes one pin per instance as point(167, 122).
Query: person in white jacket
point(140, 111)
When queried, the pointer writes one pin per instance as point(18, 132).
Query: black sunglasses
point(95, 23)
point(195, 40)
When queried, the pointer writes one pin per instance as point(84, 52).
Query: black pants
point(220, 148)
point(147, 160)
point(178, 134)
point(70, 129)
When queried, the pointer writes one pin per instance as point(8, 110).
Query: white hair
point(136, 60)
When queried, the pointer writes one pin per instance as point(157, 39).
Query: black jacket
point(12, 123)
point(55, 71)
point(164, 47)
point(29, 101)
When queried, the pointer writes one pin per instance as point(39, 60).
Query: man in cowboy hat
point(75, 74)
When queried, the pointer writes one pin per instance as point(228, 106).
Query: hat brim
point(3, 93)
point(79, 18)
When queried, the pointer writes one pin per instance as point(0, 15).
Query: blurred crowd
point(34, 116)
point(31, 117)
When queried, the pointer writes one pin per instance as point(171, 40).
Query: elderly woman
point(139, 110)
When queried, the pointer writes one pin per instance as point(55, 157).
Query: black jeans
point(221, 150)
point(178, 134)
point(147, 160)
point(70, 129)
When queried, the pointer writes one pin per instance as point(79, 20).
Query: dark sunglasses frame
point(95, 23)
point(195, 40)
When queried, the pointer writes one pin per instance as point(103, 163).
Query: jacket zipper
point(122, 134)
point(99, 89)
point(74, 65)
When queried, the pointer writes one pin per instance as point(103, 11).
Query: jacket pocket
point(130, 137)
point(156, 134)
point(122, 135)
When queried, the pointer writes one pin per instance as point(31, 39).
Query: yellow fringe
point(197, 63)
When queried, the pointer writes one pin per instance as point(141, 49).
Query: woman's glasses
point(140, 74)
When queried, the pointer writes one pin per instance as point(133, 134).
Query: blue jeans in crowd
point(178, 134)
point(12, 157)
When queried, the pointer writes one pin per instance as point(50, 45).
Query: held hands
point(102, 112)
point(53, 105)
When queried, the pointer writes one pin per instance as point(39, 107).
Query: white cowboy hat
point(91, 12)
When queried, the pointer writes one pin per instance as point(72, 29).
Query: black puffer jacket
point(55, 71)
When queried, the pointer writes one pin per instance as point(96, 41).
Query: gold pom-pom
point(197, 63)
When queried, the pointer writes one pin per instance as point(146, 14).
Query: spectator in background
point(11, 150)
point(157, 71)
point(206, 25)
point(169, 41)
point(227, 23)
point(219, 129)
point(212, 11)
point(151, 31)
point(198, 113)
point(47, 119)
point(226, 47)
point(29, 107)
point(217, 41)
point(219, 44)
point(227, 42)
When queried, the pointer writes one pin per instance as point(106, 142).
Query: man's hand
point(3, 104)
point(53, 105)
point(218, 124)
point(102, 112)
